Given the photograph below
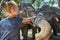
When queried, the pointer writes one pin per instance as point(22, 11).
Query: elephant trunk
point(45, 32)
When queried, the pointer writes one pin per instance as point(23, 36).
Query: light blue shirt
point(10, 28)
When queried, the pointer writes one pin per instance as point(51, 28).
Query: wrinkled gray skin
point(37, 19)
point(26, 10)
point(45, 27)
point(52, 15)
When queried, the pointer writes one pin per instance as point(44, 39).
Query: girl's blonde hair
point(7, 5)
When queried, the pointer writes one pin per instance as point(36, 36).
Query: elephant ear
point(37, 18)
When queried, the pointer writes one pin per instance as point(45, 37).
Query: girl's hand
point(26, 20)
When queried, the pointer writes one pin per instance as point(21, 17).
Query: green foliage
point(31, 1)
point(51, 2)
point(35, 3)
point(17, 1)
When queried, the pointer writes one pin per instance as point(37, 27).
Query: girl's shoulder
point(3, 19)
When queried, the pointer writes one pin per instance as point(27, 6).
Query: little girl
point(10, 26)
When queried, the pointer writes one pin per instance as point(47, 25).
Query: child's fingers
point(29, 18)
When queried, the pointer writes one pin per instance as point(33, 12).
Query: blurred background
point(35, 3)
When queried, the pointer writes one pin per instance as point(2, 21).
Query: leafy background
point(35, 3)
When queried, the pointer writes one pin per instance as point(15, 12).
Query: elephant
point(52, 15)
point(26, 10)
point(43, 26)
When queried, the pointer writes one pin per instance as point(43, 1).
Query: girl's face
point(13, 12)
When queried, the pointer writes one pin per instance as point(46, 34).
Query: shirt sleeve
point(20, 19)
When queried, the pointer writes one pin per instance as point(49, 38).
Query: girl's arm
point(26, 20)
